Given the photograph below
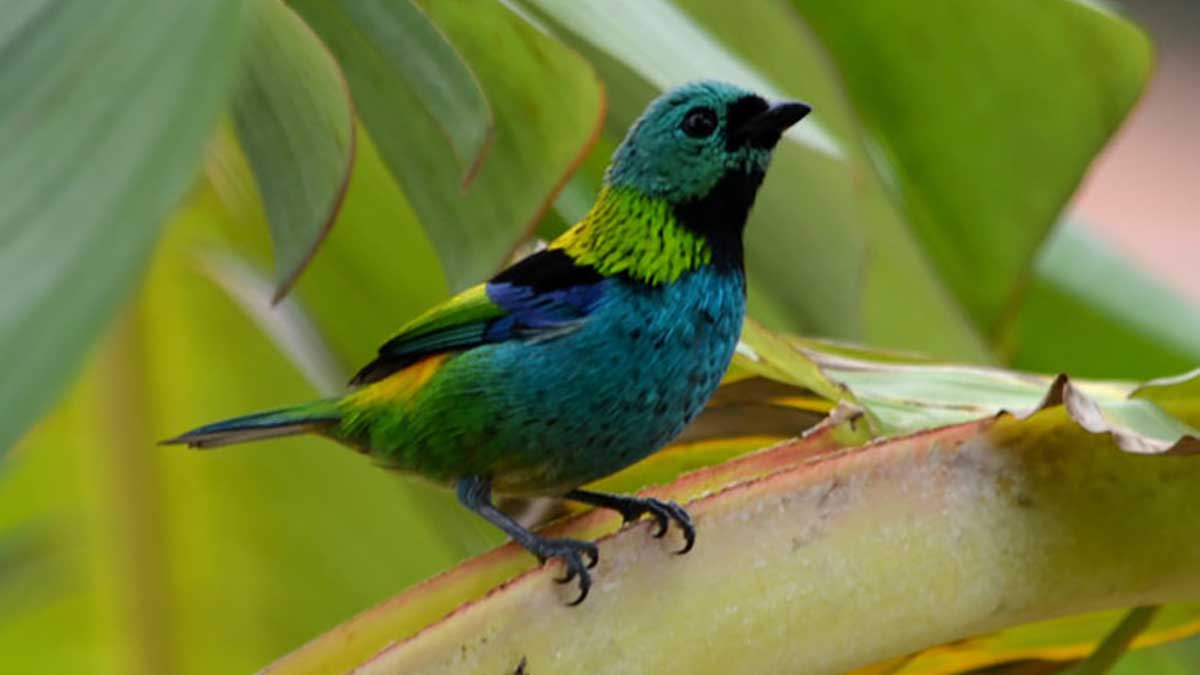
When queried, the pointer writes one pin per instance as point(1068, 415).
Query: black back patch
point(548, 270)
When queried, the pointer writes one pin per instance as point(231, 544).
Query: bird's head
point(697, 134)
point(680, 186)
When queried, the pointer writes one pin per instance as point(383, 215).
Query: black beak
point(764, 129)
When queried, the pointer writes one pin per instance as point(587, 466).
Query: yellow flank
point(629, 233)
point(399, 386)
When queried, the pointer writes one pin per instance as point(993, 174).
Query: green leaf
point(103, 117)
point(983, 117)
point(779, 388)
point(420, 54)
point(1091, 311)
point(337, 324)
point(827, 244)
point(287, 324)
point(667, 48)
point(762, 352)
point(910, 397)
point(1116, 643)
point(1178, 658)
point(168, 549)
point(541, 133)
point(1060, 640)
point(294, 117)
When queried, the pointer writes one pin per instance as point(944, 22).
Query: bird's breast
point(626, 383)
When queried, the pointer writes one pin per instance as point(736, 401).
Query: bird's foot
point(572, 553)
point(632, 508)
point(663, 513)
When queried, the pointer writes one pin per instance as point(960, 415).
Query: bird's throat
point(720, 216)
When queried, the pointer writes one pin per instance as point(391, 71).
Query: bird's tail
point(310, 417)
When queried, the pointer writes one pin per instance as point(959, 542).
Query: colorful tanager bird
point(585, 357)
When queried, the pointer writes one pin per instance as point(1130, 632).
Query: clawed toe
point(661, 515)
point(684, 521)
point(664, 513)
point(572, 553)
point(632, 508)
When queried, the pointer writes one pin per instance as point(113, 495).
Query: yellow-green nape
point(629, 233)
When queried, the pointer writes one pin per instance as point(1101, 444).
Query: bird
point(582, 358)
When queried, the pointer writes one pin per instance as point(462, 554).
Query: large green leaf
point(341, 323)
point(1179, 658)
point(169, 561)
point(541, 131)
point(422, 56)
point(286, 323)
point(907, 397)
point(1091, 311)
point(985, 116)
point(104, 111)
point(667, 48)
point(1117, 643)
point(295, 120)
point(796, 249)
point(1055, 641)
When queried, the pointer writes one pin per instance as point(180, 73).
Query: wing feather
point(541, 297)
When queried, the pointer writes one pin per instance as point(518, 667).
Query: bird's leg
point(475, 493)
point(632, 508)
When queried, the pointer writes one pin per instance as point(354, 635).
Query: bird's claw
point(572, 553)
point(663, 513)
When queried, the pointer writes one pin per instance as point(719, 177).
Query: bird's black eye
point(699, 122)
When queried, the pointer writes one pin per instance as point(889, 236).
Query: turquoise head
point(697, 134)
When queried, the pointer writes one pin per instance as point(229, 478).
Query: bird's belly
point(617, 404)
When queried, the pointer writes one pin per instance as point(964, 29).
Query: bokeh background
point(117, 556)
point(1143, 194)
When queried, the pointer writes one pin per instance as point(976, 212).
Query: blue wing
point(541, 296)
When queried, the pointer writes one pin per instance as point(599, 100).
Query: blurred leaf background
point(170, 166)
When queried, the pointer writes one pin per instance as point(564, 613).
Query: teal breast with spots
point(545, 415)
